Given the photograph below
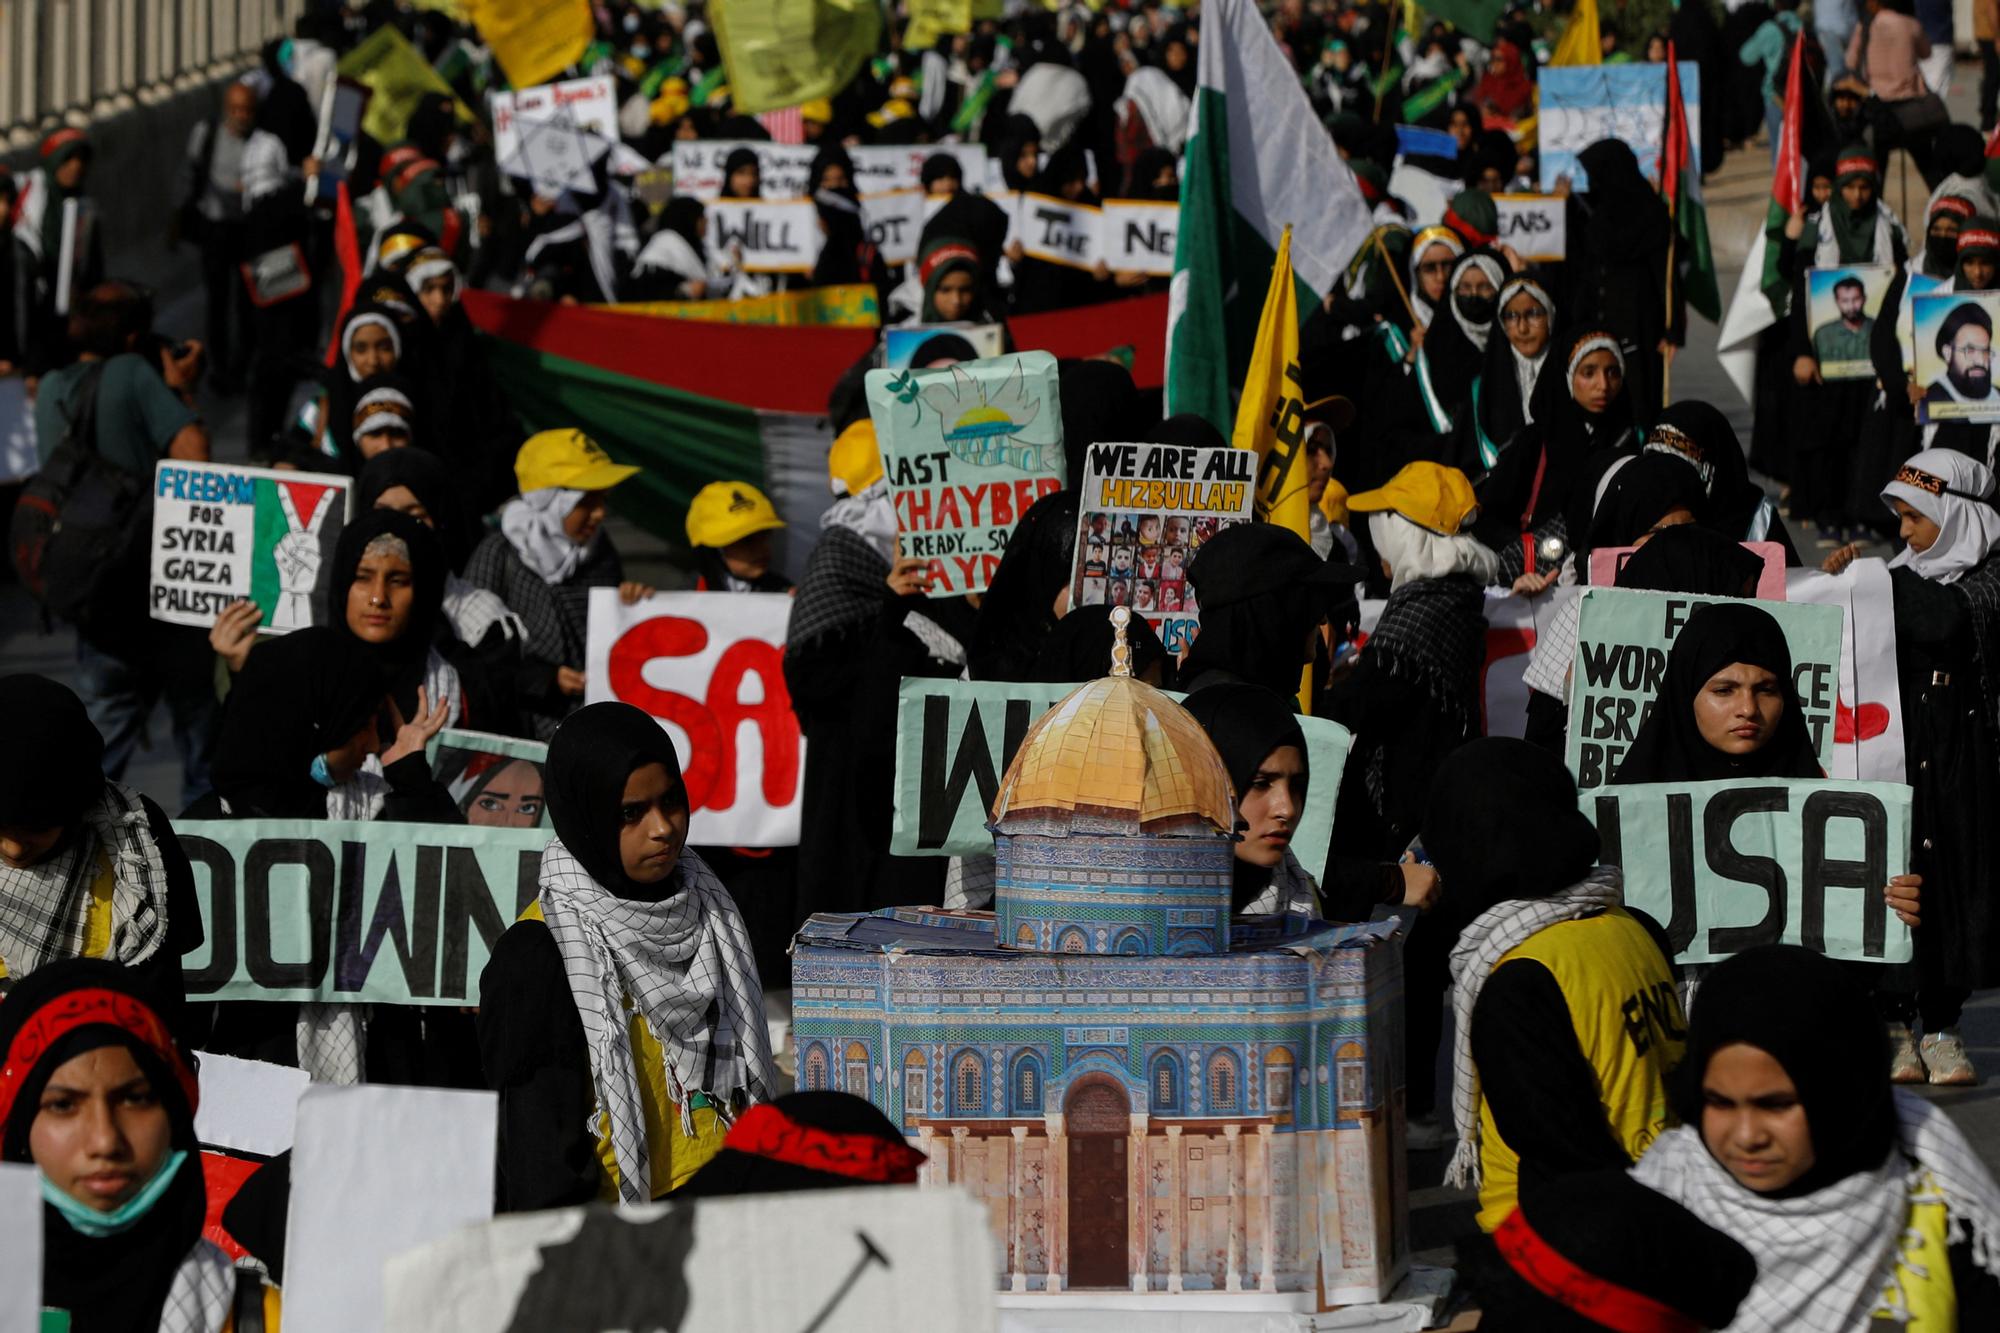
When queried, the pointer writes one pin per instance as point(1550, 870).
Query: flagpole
point(1667, 357)
point(1388, 45)
point(1395, 277)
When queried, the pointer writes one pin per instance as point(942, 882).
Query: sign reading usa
point(709, 666)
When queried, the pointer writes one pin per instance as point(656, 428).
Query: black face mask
point(1474, 309)
point(1940, 253)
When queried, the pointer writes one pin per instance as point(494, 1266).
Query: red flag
point(1674, 138)
point(348, 247)
point(1785, 183)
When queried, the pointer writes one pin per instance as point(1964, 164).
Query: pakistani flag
point(1680, 181)
point(1257, 159)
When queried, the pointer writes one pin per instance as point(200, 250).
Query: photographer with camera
point(82, 531)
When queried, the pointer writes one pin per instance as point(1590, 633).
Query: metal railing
point(69, 61)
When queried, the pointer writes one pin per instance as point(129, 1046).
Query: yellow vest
point(674, 1156)
point(1627, 1016)
point(1923, 1266)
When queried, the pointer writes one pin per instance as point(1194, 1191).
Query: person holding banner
point(99, 1097)
point(620, 1019)
point(550, 551)
point(1946, 586)
point(1863, 1206)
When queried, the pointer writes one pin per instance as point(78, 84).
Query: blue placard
point(1584, 103)
point(1416, 141)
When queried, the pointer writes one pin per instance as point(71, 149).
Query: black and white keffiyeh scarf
point(45, 908)
point(1479, 950)
point(1829, 1259)
point(685, 964)
point(203, 1288)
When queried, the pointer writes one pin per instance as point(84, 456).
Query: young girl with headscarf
point(621, 1019)
point(1454, 349)
point(1863, 1206)
point(1504, 394)
point(89, 868)
point(1946, 588)
point(551, 550)
point(1699, 434)
point(98, 1095)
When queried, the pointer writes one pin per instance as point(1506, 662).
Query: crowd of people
point(1705, 1146)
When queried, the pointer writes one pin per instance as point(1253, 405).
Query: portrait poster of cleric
point(1954, 343)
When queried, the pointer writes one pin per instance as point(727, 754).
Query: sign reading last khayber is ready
point(222, 533)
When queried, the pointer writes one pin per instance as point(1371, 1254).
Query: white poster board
point(1868, 717)
point(20, 1248)
point(894, 221)
point(774, 236)
point(376, 1171)
point(709, 666)
point(698, 166)
point(899, 167)
point(1139, 237)
point(248, 1106)
point(592, 105)
point(1058, 231)
point(1536, 225)
point(223, 532)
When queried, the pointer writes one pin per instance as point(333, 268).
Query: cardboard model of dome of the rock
point(1147, 1100)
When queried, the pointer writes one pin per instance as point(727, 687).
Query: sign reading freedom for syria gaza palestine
point(353, 912)
point(1623, 637)
point(1727, 866)
point(967, 450)
point(223, 533)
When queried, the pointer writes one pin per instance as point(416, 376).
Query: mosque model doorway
point(1097, 1118)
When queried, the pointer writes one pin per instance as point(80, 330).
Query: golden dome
point(1118, 750)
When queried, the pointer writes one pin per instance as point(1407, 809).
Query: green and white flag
point(1257, 159)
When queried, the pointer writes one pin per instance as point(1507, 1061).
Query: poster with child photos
point(1146, 509)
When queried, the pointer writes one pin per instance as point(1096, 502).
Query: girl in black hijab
point(621, 1019)
point(673, 264)
point(301, 697)
point(409, 581)
point(1713, 720)
point(1692, 559)
point(1862, 1205)
point(1455, 345)
point(1700, 435)
point(1263, 596)
point(100, 1098)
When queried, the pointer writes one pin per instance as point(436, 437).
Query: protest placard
point(1058, 231)
point(1954, 346)
point(901, 167)
point(360, 912)
point(1138, 237)
point(496, 780)
point(1581, 104)
point(20, 1247)
point(1535, 225)
point(967, 450)
point(773, 235)
point(900, 344)
point(592, 105)
point(377, 1171)
point(856, 1261)
point(1841, 306)
point(1145, 509)
point(894, 220)
point(708, 666)
point(1623, 638)
point(1868, 713)
point(1727, 866)
point(246, 1117)
point(955, 738)
point(1606, 561)
point(784, 168)
point(222, 532)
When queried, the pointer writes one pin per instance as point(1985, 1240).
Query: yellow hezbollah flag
point(1271, 415)
point(1581, 42)
point(397, 78)
point(846, 307)
point(534, 40)
point(780, 53)
point(932, 19)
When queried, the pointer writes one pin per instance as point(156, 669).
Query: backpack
point(79, 523)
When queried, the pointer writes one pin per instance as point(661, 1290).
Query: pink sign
point(1606, 561)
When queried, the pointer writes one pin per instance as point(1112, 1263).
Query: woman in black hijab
point(1017, 142)
point(1263, 596)
point(1692, 559)
point(301, 697)
point(673, 264)
point(1455, 345)
point(100, 1098)
point(1699, 434)
point(1619, 262)
point(367, 605)
point(846, 255)
point(1727, 706)
point(1794, 1144)
point(749, 184)
point(625, 996)
point(1041, 284)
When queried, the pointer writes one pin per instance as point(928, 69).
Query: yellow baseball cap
point(819, 110)
point(728, 511)
point(567, 458)
point(855, 461)
point(1430, 495)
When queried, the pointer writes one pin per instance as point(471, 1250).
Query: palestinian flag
point(690, 401)
point(1257, 158)
point(1680, 183)
point(1762, 296)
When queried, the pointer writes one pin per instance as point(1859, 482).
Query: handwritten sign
point(1536, 225)
point(1727, 866)
point(698, 166)
point(775, 236)
point(902, 167)
point(968, 449)
point(1623, 639)
point(709, 666)
point(1145, 510)
point(1058, 231)
point(223, 532)
point(592, 105)
point(1139, 237)
point(895, 222)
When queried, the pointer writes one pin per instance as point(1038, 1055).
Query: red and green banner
point(1680, 181)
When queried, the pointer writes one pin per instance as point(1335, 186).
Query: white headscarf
point(1478, 333)
point(362, 321)
point(1415, 553)
point(1956, 493)
point(533, 526)
point(870, 515)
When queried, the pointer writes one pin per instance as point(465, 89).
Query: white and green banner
point(1257, 160)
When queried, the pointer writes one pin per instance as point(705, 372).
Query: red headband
point(1951, 203)
point(1538, 1264)
point(61, 138)
point(767, 1132)
point(1978, 238)
point(1466, 229)
point(945, 254)
point(84, 1008)
point(1845, 165)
